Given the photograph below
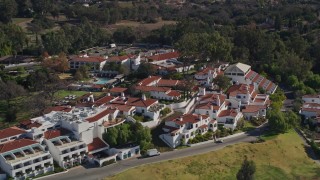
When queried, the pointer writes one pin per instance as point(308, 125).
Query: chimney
point(91, 98)
point(144, 97)
point(202, 91)
point(237, 82)
point(218, 100)
point(108, 94)
point(180, 119)
point(200, 117)
point(122, 94)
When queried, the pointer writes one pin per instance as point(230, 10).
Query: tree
point(278, 22)
point(42, 7)
point(62, 63)
point(124, 134)
point(124, 35)
point(145, 70)
point(247, 170)
point(8, 9)
point(55, 42)
point(111, 136)
point(9, 91)
point(222, 81)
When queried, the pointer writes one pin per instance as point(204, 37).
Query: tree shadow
point(310, 152)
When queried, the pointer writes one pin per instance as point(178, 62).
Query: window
point(239, 97)
point(244, 97)
point(207, 112)
point(196, 125)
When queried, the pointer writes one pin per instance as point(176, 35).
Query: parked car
point(153, 152)
point(219, 141)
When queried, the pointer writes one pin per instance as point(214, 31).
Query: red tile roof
point(152, 88)
point(205, 71)
point(119, 58)
point(188, 118)
point(174, 93)
point(141, 103)
point(11, 131)
point(104, 100)
point(100, 115)
point(253, 108)
point(12, 145)
point(311, 96)
point(93, 59)
point(234, 90)
point(228, 112)
point(168, 82)
point(164, 56)
point(50, 134)
point(147, 81)
point(96, 144)
point(57, 108)
point(118, 90)
point(203, 126)
point(28, 124)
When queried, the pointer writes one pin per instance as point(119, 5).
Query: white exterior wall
point(9, 167)
point(309, 114)
point(57, 154)
point(311, 100)
point(11, 138)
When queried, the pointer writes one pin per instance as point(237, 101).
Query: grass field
point(63, 93)
point(135, 24)
point(282, 157)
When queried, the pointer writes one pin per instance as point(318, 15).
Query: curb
point(212, 141)
point(52, 174)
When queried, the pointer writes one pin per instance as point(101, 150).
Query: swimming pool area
point(101, 80)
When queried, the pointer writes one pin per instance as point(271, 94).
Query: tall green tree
point(247, 170)
point(8, 9)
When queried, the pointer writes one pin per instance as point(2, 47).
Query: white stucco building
point(24, 158)
point(180, 130)
point(242, 73)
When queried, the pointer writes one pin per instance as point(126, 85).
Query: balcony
point(18, 154)
point(37, 160)
point(37, 149)
point(27, 163)
point(27, 151)
point(8, 157)
point(46, 157)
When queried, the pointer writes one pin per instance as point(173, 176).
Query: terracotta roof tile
point(174, 93)
point(164, 56)
point(50, 134)
point(96, 144)
point(147, 81)
point(93, 59)
point(118, 90)
point(119, 58)
point(100, 115)
point(11, 131)
point(12, 145)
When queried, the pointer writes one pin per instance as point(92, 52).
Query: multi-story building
point(25, 158)
point(242, 73)
point(96, 63)
point(311, 106)
point(11, 134)
point(65, 150)
point(180, 130)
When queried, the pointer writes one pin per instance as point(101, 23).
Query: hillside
point(281, 157)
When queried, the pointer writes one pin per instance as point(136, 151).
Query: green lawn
point(282, 157)
point(63, 93)
point(20, 20)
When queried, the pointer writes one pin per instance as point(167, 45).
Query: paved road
point(100, 173)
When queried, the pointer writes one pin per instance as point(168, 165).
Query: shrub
point(108, 162)
point(165, 111)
